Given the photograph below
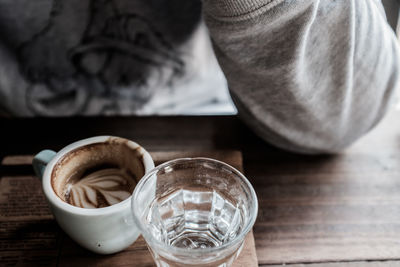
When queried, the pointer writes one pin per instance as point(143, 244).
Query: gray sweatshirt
point(309, 76)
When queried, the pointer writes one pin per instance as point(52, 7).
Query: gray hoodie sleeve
point(309, 76)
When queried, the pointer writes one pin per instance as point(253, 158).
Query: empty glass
point(194, 212)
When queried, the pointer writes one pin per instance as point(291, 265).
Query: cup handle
point(40, 161)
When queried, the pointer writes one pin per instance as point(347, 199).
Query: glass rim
point(161, 245)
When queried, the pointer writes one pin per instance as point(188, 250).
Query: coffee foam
point(101, 188)
point(98, 175)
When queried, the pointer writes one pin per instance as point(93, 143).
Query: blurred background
point(112, 57)
point(108, 57)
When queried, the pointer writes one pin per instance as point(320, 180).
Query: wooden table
point(341, 210)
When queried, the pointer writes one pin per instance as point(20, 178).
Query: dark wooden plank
point(27, 136)
point(343, 264)
point(29, 236)
point(344, 207)
point(337, 208)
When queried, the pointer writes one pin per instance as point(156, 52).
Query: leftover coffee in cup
point(88, 186)
point(98, 175)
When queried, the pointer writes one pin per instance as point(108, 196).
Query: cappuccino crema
point(101, 188)
point(98, 175)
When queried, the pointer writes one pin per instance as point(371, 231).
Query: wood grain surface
point(39, 242)
point(325, 210)
point(343, 264)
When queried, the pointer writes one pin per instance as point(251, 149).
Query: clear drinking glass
point(194, 212)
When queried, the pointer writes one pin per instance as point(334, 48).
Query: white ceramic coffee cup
point(102, 230)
